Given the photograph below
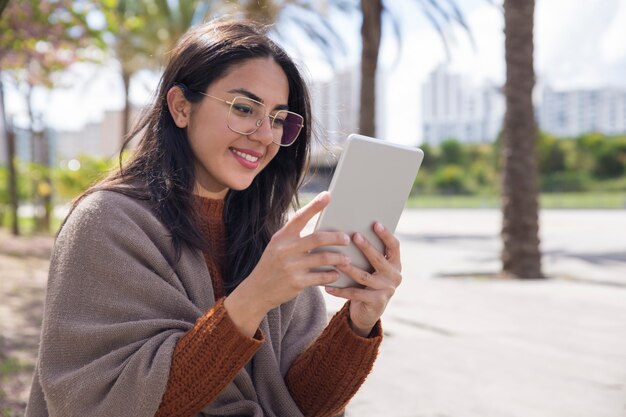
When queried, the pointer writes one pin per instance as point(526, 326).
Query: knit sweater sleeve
point(327, 375)
point(199, 371)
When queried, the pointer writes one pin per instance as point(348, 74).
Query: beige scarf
point(115, 309)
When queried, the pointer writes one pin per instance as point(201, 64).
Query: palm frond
point(433, 21)
point(395, 26)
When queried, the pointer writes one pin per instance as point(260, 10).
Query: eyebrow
point(253, 96)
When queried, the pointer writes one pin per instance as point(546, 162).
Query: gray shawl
point(115, 308)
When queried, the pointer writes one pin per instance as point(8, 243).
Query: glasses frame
point(259, 122)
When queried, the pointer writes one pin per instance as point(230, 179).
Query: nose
point(263, 134)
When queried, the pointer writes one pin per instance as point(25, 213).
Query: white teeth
point(245, 156)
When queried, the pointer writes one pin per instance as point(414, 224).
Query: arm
point(360, 316)
point(326, 376)
point(199, 371)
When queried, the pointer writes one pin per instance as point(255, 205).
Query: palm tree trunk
point(370, 36)
point(12, 174)
point(521, 256)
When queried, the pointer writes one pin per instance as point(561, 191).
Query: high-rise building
point(453, 108)
point(575, 112)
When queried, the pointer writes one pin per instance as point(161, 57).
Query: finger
point(320, 278)
point(301, 217)
point(359, 294)
point(326, 258)
point(320, 239)
point(392, 244)
point(372, 254)
point(363, 277)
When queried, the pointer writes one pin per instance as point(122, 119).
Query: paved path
point(23, 274)
point(488, 347)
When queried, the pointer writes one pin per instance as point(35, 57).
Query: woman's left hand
point(368, 304)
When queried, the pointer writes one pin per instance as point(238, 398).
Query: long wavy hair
point(161, 168)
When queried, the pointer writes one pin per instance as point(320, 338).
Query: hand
point(368, 304)
point(284, 269)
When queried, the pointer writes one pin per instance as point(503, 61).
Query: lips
point(247, 157)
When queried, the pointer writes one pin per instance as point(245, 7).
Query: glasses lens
point(244, 115)
point(286, 126)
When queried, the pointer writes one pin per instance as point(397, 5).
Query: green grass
point(579, 200)
point(10, 366)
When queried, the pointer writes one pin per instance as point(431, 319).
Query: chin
point(240, 185)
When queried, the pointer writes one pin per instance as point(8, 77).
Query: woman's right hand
point(284, 269)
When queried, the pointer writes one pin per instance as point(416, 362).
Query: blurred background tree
point(143, 32)
point(441, 14)
point(40, 39)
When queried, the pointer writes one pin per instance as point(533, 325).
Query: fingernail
point(358, 238)
point(379, 227)
point(346, 260)
point(346, 239)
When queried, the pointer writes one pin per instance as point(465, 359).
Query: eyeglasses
point(245, 116)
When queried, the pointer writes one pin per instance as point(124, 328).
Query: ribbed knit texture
point(328, 374)
point(200, 371)
point(213, 228)
point(321, 381)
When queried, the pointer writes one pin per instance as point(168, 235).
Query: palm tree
point(370, 35)
point(521, 256)
point(439, 13)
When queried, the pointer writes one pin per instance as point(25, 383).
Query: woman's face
point(225, 159)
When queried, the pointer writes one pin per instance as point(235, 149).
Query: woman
point(178, 288)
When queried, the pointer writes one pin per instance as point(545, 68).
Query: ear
point(179, 106)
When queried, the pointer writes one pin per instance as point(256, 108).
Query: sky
point(578, 44)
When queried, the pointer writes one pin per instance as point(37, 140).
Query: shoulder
point(108, 204)
point(111, 209)
point(110, 217)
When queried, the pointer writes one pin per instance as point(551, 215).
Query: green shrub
point(451, 179)
point(565, 182)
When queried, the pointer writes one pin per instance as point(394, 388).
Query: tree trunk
point(12, 173)
point(127, 107)
point(370, 37)
point(45, 184)
point(521, 256)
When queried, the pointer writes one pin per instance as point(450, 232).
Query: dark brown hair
point(161, 169)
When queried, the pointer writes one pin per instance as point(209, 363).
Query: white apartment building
point(572, 113)
point(454, 108)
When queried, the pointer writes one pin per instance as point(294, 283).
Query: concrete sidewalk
point(488, 347)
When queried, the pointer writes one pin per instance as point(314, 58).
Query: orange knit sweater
point(321, 380)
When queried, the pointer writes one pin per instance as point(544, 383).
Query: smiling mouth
point(246, 156)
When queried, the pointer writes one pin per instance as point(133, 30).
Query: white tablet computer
point(371, 183)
